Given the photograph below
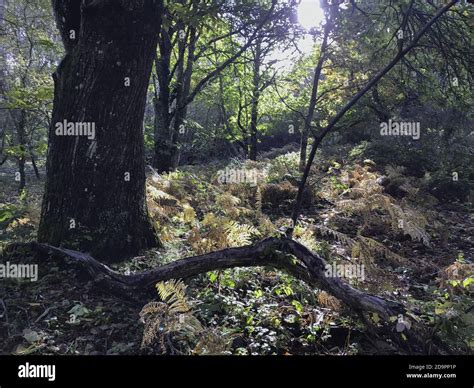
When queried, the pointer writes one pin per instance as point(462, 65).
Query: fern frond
point(160, 196)
point(173, 292)
point(152, 308)
point(240, 234)
point(152, 316)
point(341, 237)
point(394, 171)
point(227, 200)
point(368, 249)
point(189, 214)
point(411, 222)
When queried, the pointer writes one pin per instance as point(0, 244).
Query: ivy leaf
point(31, 336)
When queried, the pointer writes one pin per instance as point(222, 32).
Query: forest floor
point(413, 249)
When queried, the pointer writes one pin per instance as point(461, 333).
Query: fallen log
point(281, 253)
point(278, 252)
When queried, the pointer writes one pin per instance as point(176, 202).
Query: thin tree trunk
point(21, 136)
point(224, 120)
point(166, 146)
point(314, 97)
point(171, 123)
point(164, 149)
point(35, 167)
point(21, 171)
point(255, 100)
point(303, 148)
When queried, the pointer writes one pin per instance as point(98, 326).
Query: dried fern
point(341, 237)
point(394, 171)
point(368, 249)
point(363, 248)
point(189, 214)
point(368, 196)
point(305, 237)
point(152, 315)
point(212, 343)
point(227, 202)
point(410, 222)
point(172, 317)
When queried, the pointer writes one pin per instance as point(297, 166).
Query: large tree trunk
point(95, 187)
point(164, 149)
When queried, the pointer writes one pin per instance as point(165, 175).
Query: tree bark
point(164, 147)
point(224, 121)
point(255, 100)
point(95, 187)
point(184, 74)
point(33, 163)
point(314, 96)
point(21, 136)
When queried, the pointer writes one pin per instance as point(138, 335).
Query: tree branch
point(231, 59)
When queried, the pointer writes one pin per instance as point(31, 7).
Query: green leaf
point(5, 215)
point(298, 306)
point(213, 277)
point(375, 318)
point(468, 281)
